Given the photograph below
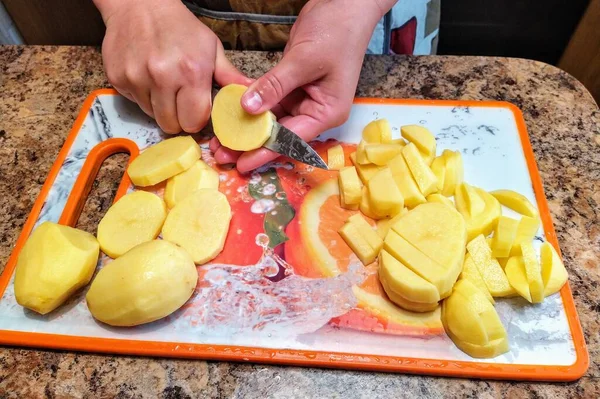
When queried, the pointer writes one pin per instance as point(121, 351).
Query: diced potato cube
point(335, 157)
point(361, 153)
point(367, 231)
point(381, 154)
point(365, 172)
point(422, 138)
point(358, 243)
point(504, 236)
point(384, 196)
point(421, 172)
point(365, 205)
point(350, 187)
point(378, 131)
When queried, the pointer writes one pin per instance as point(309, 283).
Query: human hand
point(312, 88)
point(159, 55)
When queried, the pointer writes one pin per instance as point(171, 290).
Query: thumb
point(289, 74)
point(225, 72)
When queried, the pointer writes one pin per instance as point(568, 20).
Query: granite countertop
point(42, 89)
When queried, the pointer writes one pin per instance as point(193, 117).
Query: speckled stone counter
point(42, 89)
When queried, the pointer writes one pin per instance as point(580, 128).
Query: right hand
point(159, 55)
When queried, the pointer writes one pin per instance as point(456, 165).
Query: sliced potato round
point(199, 176)
point(199, 224)
point(163, 160)
point(135, 218)
point(148, 283)
point(233, 126)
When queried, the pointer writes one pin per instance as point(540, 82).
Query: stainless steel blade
point(285, 142)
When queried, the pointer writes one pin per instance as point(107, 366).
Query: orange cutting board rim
point(451, 368)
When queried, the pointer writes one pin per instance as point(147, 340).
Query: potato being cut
point(405, 182)
point(199, 224)
point(335, 157)
point(517, 202)
point(420, 170)
point(233, 126)
point(554, 274)
point(135, 218)
point(378, 131)
point(384, 196)
point(163, 160)
point(55, 262)
point(504, 236)
point(350, 188)
point(489, 268)
point(422, 138)
point(381, 154)
point(199, 176)
point(148, 283)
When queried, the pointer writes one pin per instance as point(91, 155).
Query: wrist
point(108, 8)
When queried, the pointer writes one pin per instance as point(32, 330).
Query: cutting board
point(279, 305)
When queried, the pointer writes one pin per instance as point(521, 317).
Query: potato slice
point(471, 273)
point(437, 197)
point(438, 167)
point(404, 281)
point(405, 182)
point(367, 231)
point(504, 236)
point(378, 131)
point(422, 138)
point(533, 271)
point(350, 188)
point(420, 170)
point(384, 196)
point(554, 274)
point(199, 224)
point(55, 262)
point(163, 160)
point(365, 172)
point(454, 172)
point(528, 228)
point(468, 201)
point(489, 268)
point(517, 277)
point(517, 202)
point(199, 176)
point(233, 126)
point(399, 300)
point(381, 154)
point(335, 157)
point(135, 218)
point(357, 242)
point(486, 221)
point(148, 283)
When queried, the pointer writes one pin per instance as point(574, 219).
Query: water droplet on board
point(280, 195)
point(269, 189)
point(262, 206)
point(262, 240)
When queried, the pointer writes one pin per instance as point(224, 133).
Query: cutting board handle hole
point(96, 185)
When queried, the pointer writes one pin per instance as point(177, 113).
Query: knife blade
point(285, 142)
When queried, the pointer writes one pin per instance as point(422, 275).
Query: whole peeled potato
point(149, 282)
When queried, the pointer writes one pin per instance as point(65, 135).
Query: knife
point(285, 142)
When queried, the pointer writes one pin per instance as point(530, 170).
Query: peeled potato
point(199, 176)
point(233, 126)
point(164, 160)
point(199, 224)
point(55, 262)
point(148, 283)
point(135, 218)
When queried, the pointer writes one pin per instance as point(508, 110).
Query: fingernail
point(252, 101)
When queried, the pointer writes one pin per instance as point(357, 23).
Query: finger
point(142, 98)
point(225, 72)
point(214, 144)
point(125, 94)
point(164, 106)
point(224, 155)
point(304, 126)
point(290, 73)
point(193, 107)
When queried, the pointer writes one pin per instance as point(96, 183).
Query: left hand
point(312, 88)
